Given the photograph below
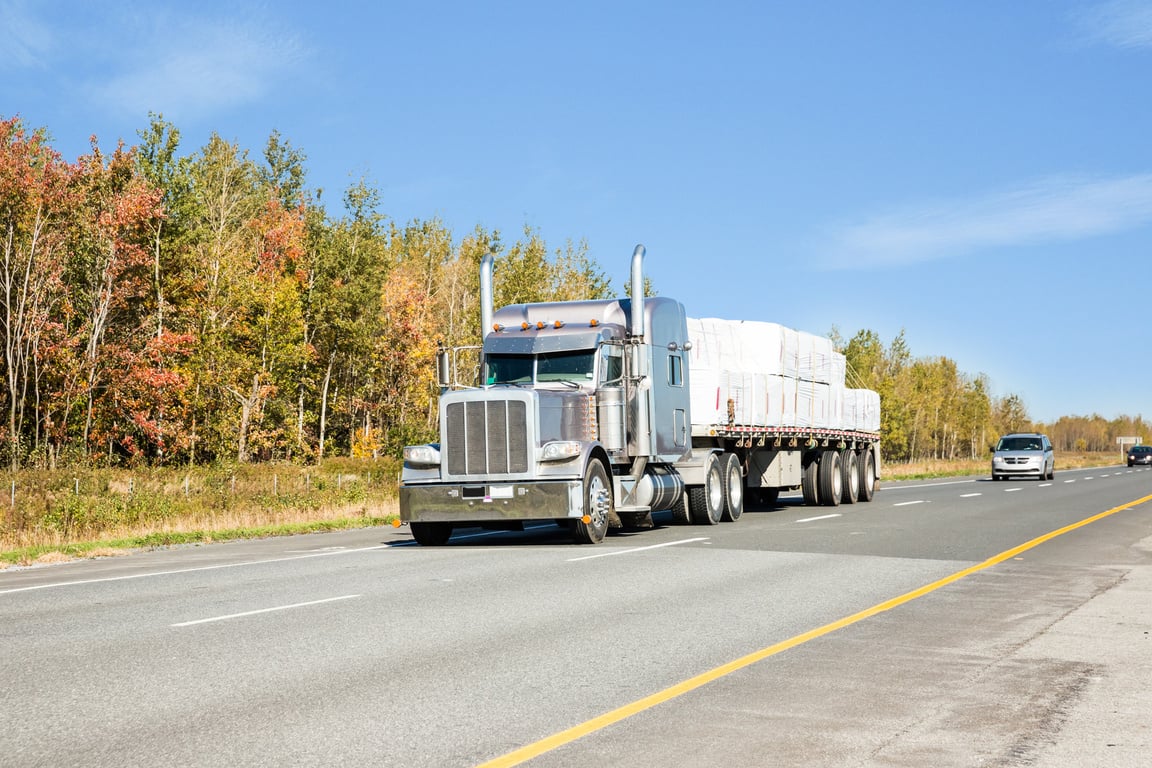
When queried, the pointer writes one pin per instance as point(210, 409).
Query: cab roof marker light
point(540, 324)
point(524, 326)
point(593, 323)
point(558, 324)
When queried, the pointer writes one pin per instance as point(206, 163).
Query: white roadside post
point(1128, 440)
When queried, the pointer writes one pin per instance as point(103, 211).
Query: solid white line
point(822, 517)
point(264, 610)
point(908, 503)
point(191, 570)
point(615, 552)
point(969, 495)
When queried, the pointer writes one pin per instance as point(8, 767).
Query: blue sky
point(976, 173)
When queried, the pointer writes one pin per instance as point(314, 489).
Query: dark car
point(1140, 454)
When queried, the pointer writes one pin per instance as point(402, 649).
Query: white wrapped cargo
point(861, 410)
point(758, 374)
point(814, 405)
point(868, 410)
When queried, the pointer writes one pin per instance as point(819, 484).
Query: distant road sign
point(1125, 440)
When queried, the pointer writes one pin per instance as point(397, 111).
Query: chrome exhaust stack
point(487, 311)
point(638, 291)
point(641, 393)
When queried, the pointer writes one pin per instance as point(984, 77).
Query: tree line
point(162, 307)
point(931, 410)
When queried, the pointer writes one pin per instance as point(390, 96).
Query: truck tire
point(431, 534)
point(733, 487)
point(831, 479)
point(867, 475)
point(706, 502)
point(680, 512)
point(810, 483)
point(850, 474)
point(590, 528)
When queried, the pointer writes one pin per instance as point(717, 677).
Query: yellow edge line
point(648, 702)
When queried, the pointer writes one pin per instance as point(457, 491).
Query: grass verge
point(70, 514)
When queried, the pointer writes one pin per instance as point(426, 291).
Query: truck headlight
point(422, 455)
point(560, 450)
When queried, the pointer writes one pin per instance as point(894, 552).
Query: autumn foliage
point(159, 307)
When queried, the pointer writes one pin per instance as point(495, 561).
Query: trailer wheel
point(733, 487)
point(831, 479)
point(431, 534)
point(850, 474)
point(706, 502)
point(867, 475)
point(597, 505)
point(810, 484)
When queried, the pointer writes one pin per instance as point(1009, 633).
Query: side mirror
point(444, 369)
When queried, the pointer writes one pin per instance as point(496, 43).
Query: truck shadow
point(548, 533)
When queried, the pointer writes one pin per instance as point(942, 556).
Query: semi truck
point(597, 414)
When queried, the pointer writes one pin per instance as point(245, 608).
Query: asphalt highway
point(946, 623)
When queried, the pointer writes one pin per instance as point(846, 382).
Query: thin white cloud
point(1123, 23)
point(191, 69)
point(1051, 210)
point(24, 39)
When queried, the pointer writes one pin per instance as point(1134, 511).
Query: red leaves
point(281, 240)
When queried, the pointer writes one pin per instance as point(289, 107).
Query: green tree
point(349, 267)
point(228, 196)
point(1009, 414)
point(576, 277)
point(524, 274)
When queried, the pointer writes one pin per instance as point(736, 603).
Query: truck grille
point(486, 437)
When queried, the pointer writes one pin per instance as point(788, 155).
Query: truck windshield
point(570, 367)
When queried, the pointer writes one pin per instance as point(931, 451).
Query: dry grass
point(960, 467)
point(64, 515)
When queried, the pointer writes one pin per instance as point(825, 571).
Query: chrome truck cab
point(580, 410)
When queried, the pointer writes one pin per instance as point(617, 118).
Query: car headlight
point(422, 455)
point(560, 450)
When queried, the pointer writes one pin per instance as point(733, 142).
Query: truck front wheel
point(706, 502)
point(431, 534)
point(590, 528)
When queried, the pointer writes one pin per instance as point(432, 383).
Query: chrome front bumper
point(493, 501)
